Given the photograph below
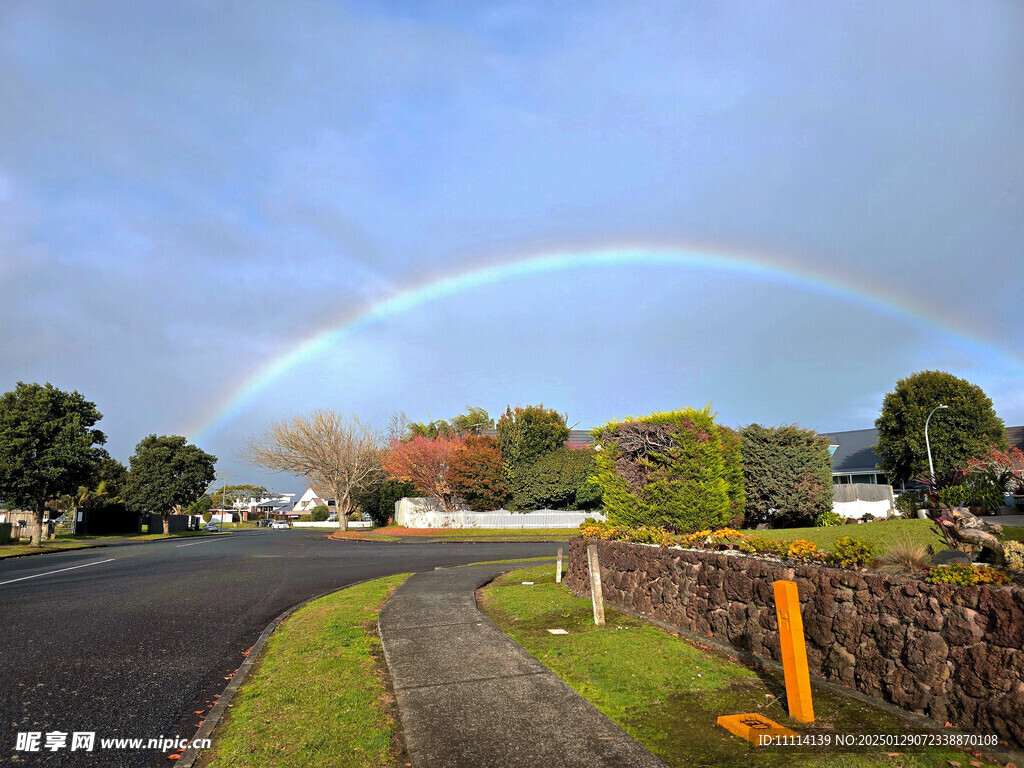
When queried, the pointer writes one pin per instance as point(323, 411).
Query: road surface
point(130, 640)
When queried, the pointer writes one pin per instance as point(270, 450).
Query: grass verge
point(667, 692)
point(20, 550)
point(318, 696)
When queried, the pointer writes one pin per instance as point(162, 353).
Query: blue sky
point(188, 190)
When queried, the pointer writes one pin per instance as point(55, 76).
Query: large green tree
point(48, 447)
point(167, 473)
point(525, 435)
point(959, 433)
point(787, 472)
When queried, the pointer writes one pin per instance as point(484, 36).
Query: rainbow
point(748, 266)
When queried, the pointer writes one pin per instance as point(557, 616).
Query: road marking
point(60, 570)
point(179, 546)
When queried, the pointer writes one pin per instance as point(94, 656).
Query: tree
point(167, 473)
point(672, 470)
point(477, 475)
point(227, 496)
point(337, 453)
point(473, 422)
point(559, 480)
point(378, 500)
point(48, 447)
point(428, 464)
point(787, 472)
point(965, 430)
point(113, 473)
point(1009, 462)
point(201, 507)
point(525, 434)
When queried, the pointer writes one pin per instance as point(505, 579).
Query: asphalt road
point(131, 639)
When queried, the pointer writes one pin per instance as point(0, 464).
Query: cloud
point(188, 189)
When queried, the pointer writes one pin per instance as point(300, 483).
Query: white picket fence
point(351, 524)
point(424, 513)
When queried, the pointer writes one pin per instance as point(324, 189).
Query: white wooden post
point(558, 568)
point(596, 595)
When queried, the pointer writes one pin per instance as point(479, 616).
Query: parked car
point(212, 527)
point(279, 524)
point(332, 518)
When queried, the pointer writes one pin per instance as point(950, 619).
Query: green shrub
point(671, 470)
point(966, 575)
point(558, 480)
point(319, 513)
point(827, 518)
point(787, 473)
point(850, 552)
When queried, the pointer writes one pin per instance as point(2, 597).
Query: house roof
point(856, 451)
point(274, 503)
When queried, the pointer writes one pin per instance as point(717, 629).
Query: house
point(271, 506)
point(854, 459)
point(309, 501)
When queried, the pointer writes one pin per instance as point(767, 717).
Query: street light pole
point(927, 444)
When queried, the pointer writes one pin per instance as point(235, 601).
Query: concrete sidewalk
point(469, 695)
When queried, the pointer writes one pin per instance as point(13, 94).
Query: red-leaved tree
point(477, 474)
point(1010, 461)
point(428, 464)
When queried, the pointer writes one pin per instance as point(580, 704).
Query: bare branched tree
point(331, 451)
point(398, 427)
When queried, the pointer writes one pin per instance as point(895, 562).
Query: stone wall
point(950, 653)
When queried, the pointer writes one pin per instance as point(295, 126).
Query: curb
point(205, 731)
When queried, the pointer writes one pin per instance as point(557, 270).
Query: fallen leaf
point(174, 757)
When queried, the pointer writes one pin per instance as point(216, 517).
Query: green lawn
point(21, 549)
point(318, 696)
point(667, 692)
point(882, 533)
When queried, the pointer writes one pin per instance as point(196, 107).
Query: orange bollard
point(794, 651)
